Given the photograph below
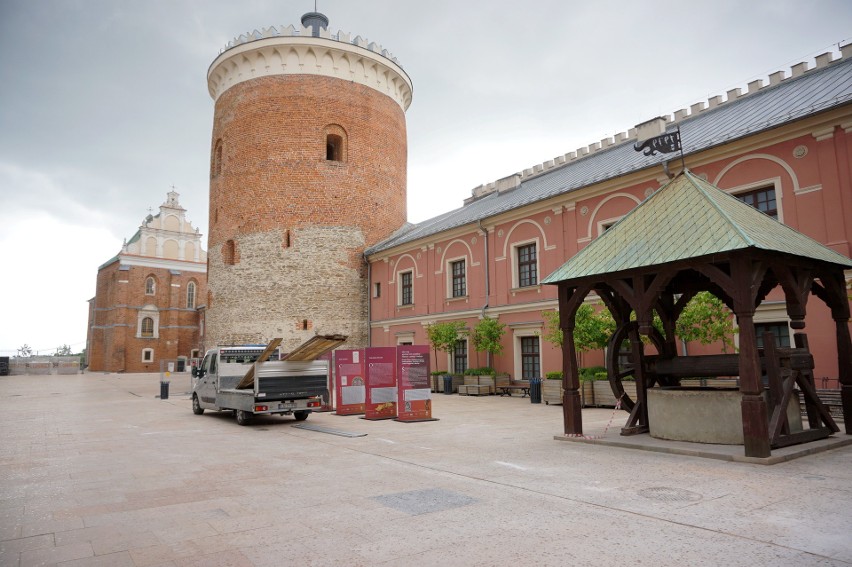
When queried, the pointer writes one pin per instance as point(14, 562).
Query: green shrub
point(438, 372)
point(556, 375)
point(590, 373)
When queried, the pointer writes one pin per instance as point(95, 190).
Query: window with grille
point(527, 266)
point(147, 327)
point(190, 295)
point(460, 357)
point(457, 269)
point(530, 358)
point(406, 289)
point(761, 199)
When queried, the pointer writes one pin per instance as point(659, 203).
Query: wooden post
point(572, 416)
point(755, 416)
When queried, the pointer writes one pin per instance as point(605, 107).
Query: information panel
point(414, 392)
point(350, 388)
point(381, 382)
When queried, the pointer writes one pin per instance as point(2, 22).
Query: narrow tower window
point(334, 148)
point(190, 295)
point(216, 166)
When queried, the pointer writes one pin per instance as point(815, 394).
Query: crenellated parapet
point(658, 125)
point(296, 50)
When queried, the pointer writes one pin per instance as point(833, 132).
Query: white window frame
point(148, 351)
point(516, 276)
point(774, 183)
point(399, 288)
point(449, 271)
point(517, 359)
point(451, 356)
point(154, 314)
point(191, 288)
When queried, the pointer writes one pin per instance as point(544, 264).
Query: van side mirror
point(195, 372)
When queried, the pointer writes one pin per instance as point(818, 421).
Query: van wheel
point(196, 407)
point(301, 415)
point(242, 416)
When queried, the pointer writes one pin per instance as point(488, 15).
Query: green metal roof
point(688, 218)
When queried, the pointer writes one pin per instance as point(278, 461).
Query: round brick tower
point(307, 170)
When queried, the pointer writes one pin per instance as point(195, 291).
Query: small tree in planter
point(706, 319)
point(592, 329)
point(443, 336)
point(486, 337)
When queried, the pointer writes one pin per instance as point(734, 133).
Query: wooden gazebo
point(689, 237)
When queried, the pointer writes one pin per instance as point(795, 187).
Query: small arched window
point(335, 143)
point(147, 327)
point(190, 295)
point(150, 286)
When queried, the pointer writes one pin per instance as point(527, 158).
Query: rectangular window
point(459, 278)
point(460, 357)
point(761, 199)
point(147, 355)
point(780, 331)
point(527, 266)
point(377, 289)
point(530, 359)
point(406, 289)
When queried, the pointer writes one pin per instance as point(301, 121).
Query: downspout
point(487, 281)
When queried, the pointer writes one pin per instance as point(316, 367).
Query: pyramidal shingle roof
point(688, 218)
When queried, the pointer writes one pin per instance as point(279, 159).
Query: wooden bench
point(832, 400)
point(515, 385)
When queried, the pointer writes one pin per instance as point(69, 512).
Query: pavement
point(95, 470)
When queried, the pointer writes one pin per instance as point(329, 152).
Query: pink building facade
point(784, 147)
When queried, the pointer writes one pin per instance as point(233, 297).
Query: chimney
point(651, 128)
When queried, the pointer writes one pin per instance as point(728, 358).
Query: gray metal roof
point(792, 99)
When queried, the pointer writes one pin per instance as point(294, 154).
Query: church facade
point(148, 306)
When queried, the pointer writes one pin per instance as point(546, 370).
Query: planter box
point(603, 396)
point(587, 393)
point(474, 390)
point(458, 380)
point(551, 392)
point(486, 381)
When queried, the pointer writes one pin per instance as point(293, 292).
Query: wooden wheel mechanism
point(619, 370)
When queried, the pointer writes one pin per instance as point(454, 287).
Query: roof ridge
point(698, 186)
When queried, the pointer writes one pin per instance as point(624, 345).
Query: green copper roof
point(688, 218)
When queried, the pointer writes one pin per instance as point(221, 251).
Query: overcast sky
point(104, 106)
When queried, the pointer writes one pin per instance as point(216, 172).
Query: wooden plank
point(315, 347)
point(248, 379)
point(802, 437)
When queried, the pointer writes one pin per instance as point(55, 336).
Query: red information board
point(414, 391)
point(350, 389)
point(381, 382)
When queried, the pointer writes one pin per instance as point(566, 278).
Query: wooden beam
point(248, 379)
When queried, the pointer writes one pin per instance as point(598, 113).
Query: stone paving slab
point(96, 470)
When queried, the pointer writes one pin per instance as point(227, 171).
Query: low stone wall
point(44, 365)
point(704, 415)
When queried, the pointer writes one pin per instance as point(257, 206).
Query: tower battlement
point(302, 50)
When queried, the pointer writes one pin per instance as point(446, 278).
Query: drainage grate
point(668, 494)
point(321, 429)
point(425, 501)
